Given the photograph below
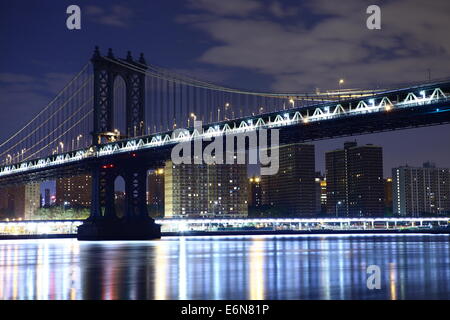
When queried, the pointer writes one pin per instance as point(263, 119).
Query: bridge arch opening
point(119, 196)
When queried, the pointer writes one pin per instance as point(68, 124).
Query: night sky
point(265, 45)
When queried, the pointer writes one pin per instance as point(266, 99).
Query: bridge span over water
point(84, 130)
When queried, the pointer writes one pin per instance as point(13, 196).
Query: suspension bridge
point(123, 116)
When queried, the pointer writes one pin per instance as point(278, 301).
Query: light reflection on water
point(239, 267)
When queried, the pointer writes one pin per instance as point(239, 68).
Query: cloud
point(115, 16)
point(317, 43)
point(277, 9)
point(15, 78)
point(240, 8)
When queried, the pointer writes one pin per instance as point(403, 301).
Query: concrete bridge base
point(120, 229)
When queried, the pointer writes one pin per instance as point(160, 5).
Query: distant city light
point(8, 227)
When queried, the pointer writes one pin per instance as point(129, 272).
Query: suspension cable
point(62, 134)
point(48, 105)
point(49, 118)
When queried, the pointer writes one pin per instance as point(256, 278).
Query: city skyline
point(300, 157)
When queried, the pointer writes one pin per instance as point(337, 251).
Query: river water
point(235, 267)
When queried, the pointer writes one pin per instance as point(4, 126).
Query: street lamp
point(78, 140)
point(193, 116)
point(341, 82)
point(227, 105)
point(291, 101)
point(337, 204)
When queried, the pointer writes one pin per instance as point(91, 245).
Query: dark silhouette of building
point(47, 198)
point(155, 194)
point(355, 185)
point(421, 191)
point(7, 202)
point(388, 195)
point(254, 192)
point(321, 193)
point(292, 190)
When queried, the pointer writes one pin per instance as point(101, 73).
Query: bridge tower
point(106, 70)
point(103, 223)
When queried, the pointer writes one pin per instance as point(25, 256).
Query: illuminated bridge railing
point(180, 226)
point(323, 112)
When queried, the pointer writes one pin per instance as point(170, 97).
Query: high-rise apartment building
point(32, 199)
point(227, 190)
point(292, 190)
point(20, 201)
point(74, 191)
point(185, 190)
point(193, 190)
point(355, 185)
point(417, 191)
point(47, 198)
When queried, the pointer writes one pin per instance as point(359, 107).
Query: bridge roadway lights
point(119, 229)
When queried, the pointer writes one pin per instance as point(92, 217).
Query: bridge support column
point(95, 194)
point(135, 225)
point(135, 194)
point(110, 210)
